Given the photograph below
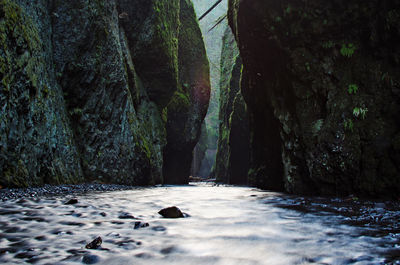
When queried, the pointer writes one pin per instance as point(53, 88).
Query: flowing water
point(227, 225)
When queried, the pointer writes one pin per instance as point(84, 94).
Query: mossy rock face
point(36, 145)
point(188, 106)
point(321, 84)
point(229, 55)
point(85, 85)
point(232, 160)
point(152, 28)
point(118, 128)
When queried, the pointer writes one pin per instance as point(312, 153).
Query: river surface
point(227, 225)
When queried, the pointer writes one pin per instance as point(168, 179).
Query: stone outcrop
point(232, 161)
point(37, 143)
point(85, 87)
point(189, 104)
point(321, 81)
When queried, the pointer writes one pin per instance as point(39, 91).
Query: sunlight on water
point(227, 225)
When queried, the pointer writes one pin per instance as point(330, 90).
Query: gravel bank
point(50, 190)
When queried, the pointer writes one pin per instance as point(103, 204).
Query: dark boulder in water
point(71, 201)
point(95, 244)
point(126, 216)
point(90, 259)
point(140, 225)
point(171, 212)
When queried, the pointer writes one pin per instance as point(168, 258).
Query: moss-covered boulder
point(321, 80)
point(187, 109)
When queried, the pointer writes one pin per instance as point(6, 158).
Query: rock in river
point(140, 225)
point(171, 212)
point(96, 243)
point(126, 216)
point(71, 201)
point(90, 259)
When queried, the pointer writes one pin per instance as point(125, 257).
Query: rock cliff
point(188, 107)
point(232, 161)
point(321, 81)
point(86, 85)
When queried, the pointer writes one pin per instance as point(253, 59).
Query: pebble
point(50, 190)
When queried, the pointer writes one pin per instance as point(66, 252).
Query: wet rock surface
point(140, 225)
point(95, 244)
point(228, 225)
point(171, 212)
point(71, 201)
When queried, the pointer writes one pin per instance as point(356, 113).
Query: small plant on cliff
point(357, 112)
point(308, 67)
point(288, 10)
point(328, 44)
point(348, 125)
point(348, 50)
point(76, 111)
point(353, 88)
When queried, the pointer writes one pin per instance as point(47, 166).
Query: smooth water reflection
point(227, 225)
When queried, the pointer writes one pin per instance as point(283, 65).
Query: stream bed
point(226, 225)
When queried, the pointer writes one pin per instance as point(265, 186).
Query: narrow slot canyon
point(199, 132)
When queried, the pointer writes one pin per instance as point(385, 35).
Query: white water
point(227, 225)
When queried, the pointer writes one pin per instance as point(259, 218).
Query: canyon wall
point(321, 82)
point(232, 160)
point(87, 89)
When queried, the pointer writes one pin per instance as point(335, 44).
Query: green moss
point(145, 146)
point(18, 31)
point(317, 126)
point(167, 29)
point(179, 102)
point(18, 25)
point(164, 114)
point(131, 118)
point(16, 176)
point(225, 134)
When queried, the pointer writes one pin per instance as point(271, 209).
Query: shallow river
point(227, 225)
